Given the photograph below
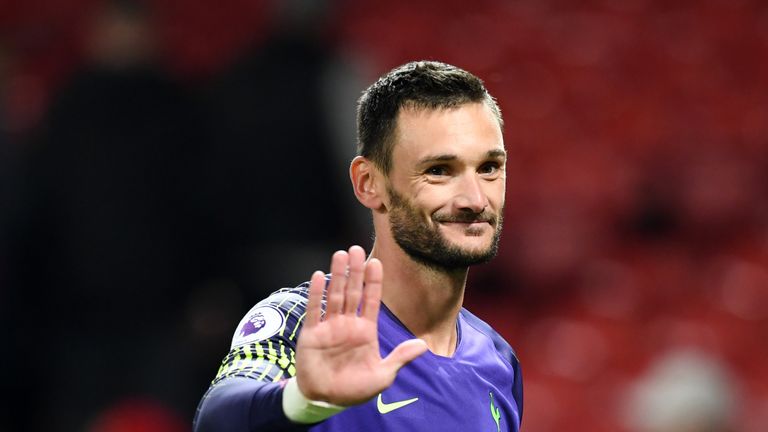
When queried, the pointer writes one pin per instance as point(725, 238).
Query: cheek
point(496, 194)
point(430, 199)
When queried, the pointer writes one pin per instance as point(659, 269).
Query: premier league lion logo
point(262, 322)
point(254, 324)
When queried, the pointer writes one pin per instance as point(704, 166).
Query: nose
point(471, 196)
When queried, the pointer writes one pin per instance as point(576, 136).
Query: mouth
point(468, 220)
point(468, 224)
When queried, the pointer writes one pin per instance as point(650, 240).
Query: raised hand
point(337, 357)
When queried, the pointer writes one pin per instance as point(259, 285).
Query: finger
point(374, 274)
point(404, 354)
point(335, 297)
point(315, 301)
point(355, 279)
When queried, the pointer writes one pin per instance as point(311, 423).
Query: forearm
point(244, 404)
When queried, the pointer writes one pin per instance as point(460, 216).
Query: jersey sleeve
point(246, 394)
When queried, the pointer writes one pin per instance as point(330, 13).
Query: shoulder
point(286, 298)
point(504, 349)
point(281, 311)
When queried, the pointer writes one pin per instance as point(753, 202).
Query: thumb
point(404, 354)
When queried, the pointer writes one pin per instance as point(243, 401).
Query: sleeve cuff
point(299, 409)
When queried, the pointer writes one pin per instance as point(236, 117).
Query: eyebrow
point(496, 154)
point(491, 154)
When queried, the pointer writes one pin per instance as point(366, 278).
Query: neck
point(425, 299)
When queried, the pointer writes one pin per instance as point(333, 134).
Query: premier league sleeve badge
point(261, 322)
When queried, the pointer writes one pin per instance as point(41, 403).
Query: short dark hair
point(418, 84)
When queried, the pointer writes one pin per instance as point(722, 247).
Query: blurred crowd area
point(164, 165)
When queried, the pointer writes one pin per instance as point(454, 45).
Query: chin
point(473, 241)
point(472, 247)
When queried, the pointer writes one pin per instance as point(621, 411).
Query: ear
point(365, 182)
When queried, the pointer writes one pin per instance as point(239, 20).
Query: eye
point(437, 170)
point(489, 168)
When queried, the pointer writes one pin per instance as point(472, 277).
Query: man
point(431, 169)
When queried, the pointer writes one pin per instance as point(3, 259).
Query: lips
point(469, 219)
point(471, 226)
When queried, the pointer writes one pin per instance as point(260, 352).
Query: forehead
point(467, 131)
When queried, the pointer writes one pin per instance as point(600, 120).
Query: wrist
point(299, 409)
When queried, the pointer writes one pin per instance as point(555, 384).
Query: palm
point(345, 349)
point(337, 356)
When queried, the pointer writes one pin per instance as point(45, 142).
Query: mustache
point(468, 217)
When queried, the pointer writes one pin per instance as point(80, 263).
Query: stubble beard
point(425, 244)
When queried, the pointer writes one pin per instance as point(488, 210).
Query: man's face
point(446, 186)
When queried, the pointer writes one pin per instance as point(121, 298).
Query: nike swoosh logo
point(385, 408)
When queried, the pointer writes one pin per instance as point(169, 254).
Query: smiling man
point(383, 343)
